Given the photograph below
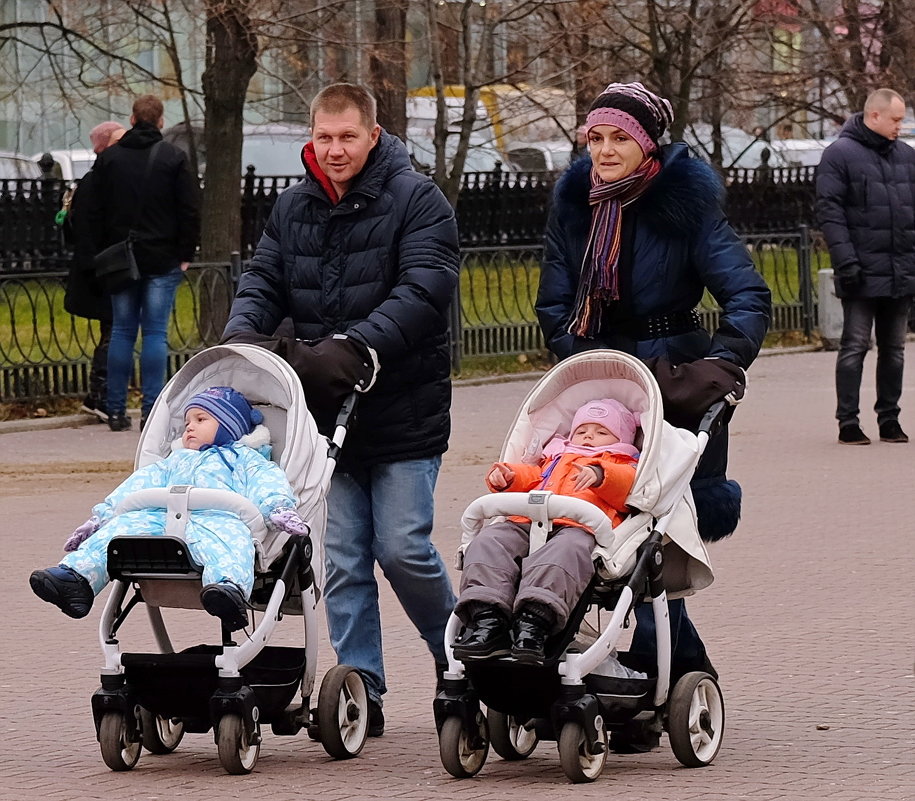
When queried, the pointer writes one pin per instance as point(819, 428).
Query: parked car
point(482, 155)
point(74, 163)
point(801, 152)
point(738, 148)
point(17, 165)
point(539, 156)
point(272, 148)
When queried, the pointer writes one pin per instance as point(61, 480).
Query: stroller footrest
point(151, 557)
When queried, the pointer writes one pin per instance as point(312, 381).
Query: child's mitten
point(288, 520)
point(81, 533)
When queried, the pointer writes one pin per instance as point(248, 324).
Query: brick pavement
point(809, 623)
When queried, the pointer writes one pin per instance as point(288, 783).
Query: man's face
point(342, 145)
point(887, 120)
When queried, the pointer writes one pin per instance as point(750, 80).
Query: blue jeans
point(146, 305)
point(383, 514)
point(888, 317)
point(687, 649)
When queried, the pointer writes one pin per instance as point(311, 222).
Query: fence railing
point(44, 351)
point(494, 209)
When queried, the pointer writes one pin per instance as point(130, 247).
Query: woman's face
point(614, 153)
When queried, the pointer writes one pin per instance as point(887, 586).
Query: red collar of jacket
point(310, 160)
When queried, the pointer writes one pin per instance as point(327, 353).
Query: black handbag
point(115, 267)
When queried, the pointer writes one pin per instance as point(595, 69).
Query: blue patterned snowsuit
point(218, 540)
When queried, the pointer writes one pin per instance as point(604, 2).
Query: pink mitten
point(288, 520)
point(81, 533)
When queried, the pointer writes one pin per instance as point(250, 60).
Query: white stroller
point(151, 699)
point(655, 553)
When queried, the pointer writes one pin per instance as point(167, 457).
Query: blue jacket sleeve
point(831, 192)
point(557, 289)
point(152, 475)
point(728, 272)
point(265, 484)
point(261, 300)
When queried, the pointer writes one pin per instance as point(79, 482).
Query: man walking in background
point(865, 203)
point(84, 297)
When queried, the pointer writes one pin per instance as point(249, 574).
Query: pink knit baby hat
point(611, 414)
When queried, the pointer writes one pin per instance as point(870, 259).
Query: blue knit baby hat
point(230, 409)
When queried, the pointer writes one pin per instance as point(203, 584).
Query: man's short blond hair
point(880, 98)
point(339, 97)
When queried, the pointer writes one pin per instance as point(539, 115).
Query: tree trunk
point(231, 62)
point(388, 63)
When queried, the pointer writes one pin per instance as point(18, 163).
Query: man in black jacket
point(366, 247)
point(865, 189)
point(84, 297)
point(142, 186)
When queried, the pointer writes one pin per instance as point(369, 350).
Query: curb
point(79, 420)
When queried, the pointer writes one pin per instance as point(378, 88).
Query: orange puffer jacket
point(558, 475)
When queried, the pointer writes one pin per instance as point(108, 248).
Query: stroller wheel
point(161, 735)
point(463, 753)
point(695, 719)
point(118, 752)
point(238, 752)
point(510, 740)
point(343, 712)
point(578, 763)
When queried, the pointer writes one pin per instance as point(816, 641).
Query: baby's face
point(593, 435)
point(199, 429)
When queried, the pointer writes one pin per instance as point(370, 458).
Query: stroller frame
point(564, 699)
point(151, 699)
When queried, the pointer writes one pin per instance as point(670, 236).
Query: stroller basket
point(181, 684)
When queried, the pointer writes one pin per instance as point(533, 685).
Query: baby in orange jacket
point(512, 601)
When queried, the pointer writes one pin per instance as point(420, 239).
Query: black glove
point(690, 389)
point(850, 279)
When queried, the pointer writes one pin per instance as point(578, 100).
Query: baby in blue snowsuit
point(219, 450)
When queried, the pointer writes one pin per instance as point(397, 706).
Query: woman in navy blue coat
point(636, 236)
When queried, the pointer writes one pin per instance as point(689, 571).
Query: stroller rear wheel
point(161, 735)
point(510, 740)
point(695, 722)
point(463, 753)
point(118, 752)
point(238, 752)
point(578, 763)
point(343, 712)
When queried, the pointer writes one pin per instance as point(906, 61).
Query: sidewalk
point(809, 623)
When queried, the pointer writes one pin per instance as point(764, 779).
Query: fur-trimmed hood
point(685, 190)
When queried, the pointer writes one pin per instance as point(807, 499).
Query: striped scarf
point(599, 281)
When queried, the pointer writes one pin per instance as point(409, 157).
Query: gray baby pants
point(497, 562)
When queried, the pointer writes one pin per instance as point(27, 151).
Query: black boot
point(486, 637)
point(530, 630)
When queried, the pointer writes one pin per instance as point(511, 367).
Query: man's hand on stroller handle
point(82, 532)
point(500, 476)
point(288, 520)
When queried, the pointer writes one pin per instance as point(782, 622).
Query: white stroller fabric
point(271, 386)
point(660, 497)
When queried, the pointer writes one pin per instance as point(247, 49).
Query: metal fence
point(46, 352)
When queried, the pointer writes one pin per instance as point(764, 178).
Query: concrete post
point(830, 311)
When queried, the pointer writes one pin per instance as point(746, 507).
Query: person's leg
point(402, 510)
point(856, 333)
point(492, 565)
point(687, 649)
point(350, 589)
point(158, 300)
point(226, 551)
point(125, 307)
point(891, 318)
point(98, 372)
point(557, 574)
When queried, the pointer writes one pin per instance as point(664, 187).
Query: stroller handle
point(541, 507)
